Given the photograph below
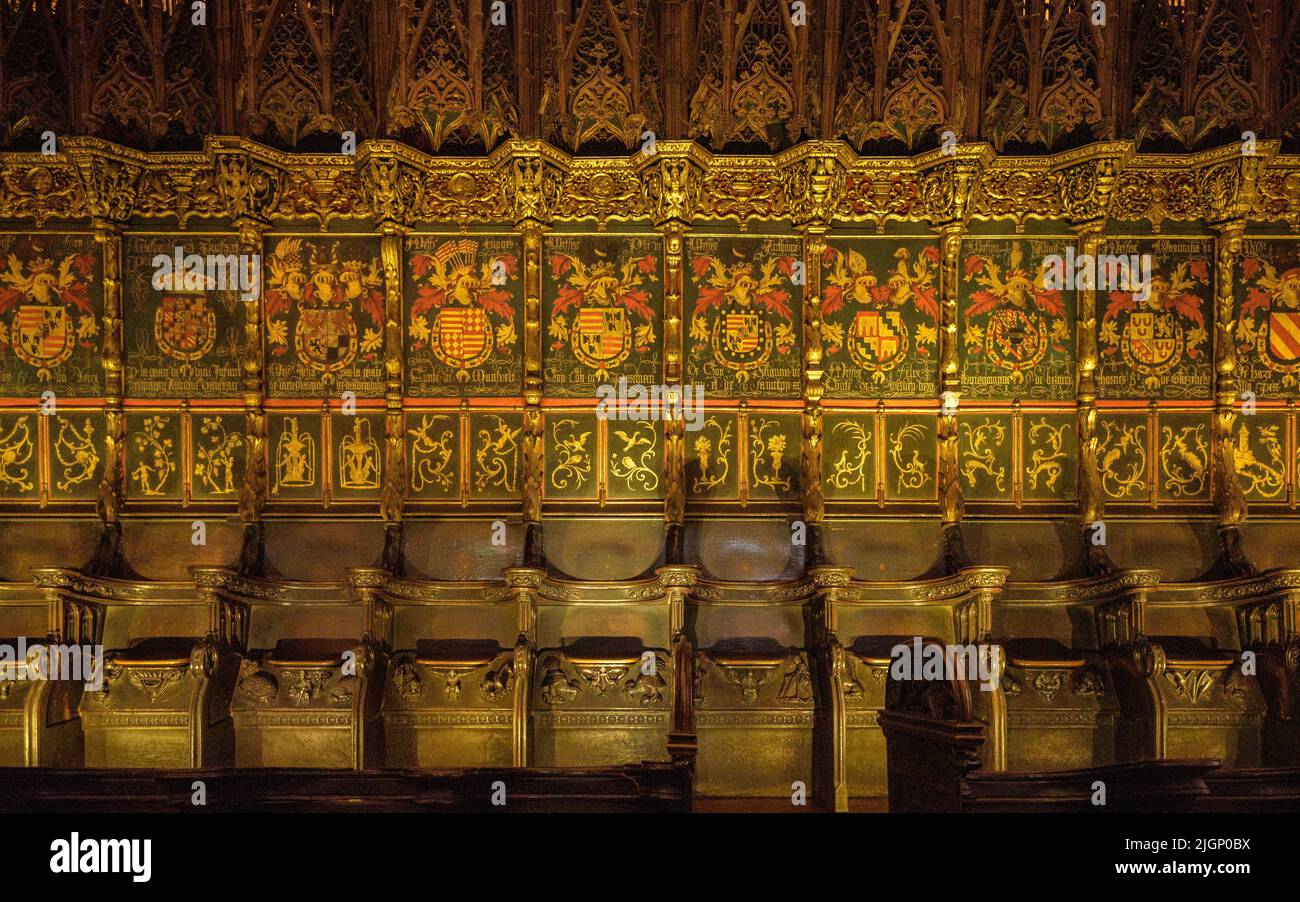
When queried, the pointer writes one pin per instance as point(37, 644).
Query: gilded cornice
point(1261, 586)
point(816, 182)
point(929, 591)
point(1091, 589)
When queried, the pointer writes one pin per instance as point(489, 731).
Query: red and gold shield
point(462, 336)
point(184, 326)
point(326, 338)
point(1283, 337)
point(741, 338)
point(1152, 343)
point(42, 335)
point(1016, 339)
point(602, 336)
point(878, 339)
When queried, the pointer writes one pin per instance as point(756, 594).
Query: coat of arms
point(1153, 335)
point(472, 314)
point(878, 338)
point(324, 291)
point(51, 312)
point(184, 326)
point(1269, 321)
point(742, 312)
point(1021, 317)
point(596, 310)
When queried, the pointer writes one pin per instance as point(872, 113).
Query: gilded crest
point(49, 310)
point(462, 310)
point(1013, 319)
point(325, 292)
point(1268, 321)
point(1156, 335)
point(602, 308)
point(742, 311)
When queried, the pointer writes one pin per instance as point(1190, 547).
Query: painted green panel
point(1267, 307)
point(849, 460)
point(1017, 333)
point(1184, 456)
point(76, 455)
point(911, 448)
point(495, 440)
point(984, 447)
point(635, 463)
point(51, 316)
point(602, 298)
point(774, 452)
point(571, 455)
point(433, 454)
point(1050, 465)
point(1261, 455)
point(153, 456)
point(18, 456)
point(464, 316)
point(297, 456)
point(1159, 347)
point(744, 317)
point(186, 339)
point(219, 455)
point(358, 463)
point(711, 460)
point(1122, 445)
point(324, 303)
point(880, 315)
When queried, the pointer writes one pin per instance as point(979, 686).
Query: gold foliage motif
point(16, 448)
point(573, 457)
point(1046, 447)
point(75, 450)
point(1124, 460)
point(1184, 460)
point(633, 460)
point(431, 453)
point(913, 471)
point(852, 471)
point(979, 454)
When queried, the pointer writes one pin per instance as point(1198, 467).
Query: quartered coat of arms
point(878, 337)
point(1154, 334)
point(743, 311)
point(1268, 325)
point(461, 310)
point(325, 292)
point(1013, 318)
point(47, 311)
point(184, 326)
point(602, 310)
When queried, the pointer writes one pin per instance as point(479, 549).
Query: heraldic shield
point(878, 341)
point(602, 336)
point(326, 338)
point(462, 338)
point(1016, 340)
point(741, 338)
point(44, 335)
point(1152, 342)
point(184, 326)
point(1279, 343)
